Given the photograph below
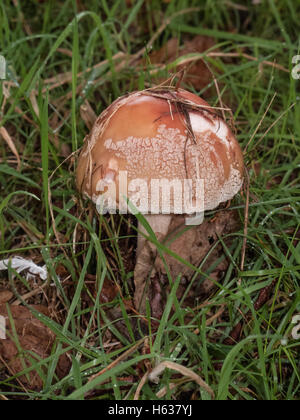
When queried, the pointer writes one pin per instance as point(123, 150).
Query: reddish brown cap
point(161, 134)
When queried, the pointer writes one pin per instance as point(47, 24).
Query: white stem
point(195, 220)
point(159, 224)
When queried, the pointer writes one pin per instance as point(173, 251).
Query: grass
point(43, 119)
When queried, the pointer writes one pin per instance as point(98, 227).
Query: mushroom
point(166, 151)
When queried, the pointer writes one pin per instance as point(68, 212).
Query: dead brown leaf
point(5, 296)
point(108, 291)
point(33, 338)
point(192, 245)
point(197, 73)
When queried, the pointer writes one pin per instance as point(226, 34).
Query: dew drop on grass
point(283, 341)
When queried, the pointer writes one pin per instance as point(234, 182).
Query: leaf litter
point(28, 341)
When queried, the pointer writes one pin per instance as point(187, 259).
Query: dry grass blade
point(246, 222)
point(62, 78)
point(260, 122)
point(153, 376)
point(140, 386)
point(248, 57)
point(121, 358)
point(7, 138)
point(166, 94)
point(88, 114)
point(160, 30)
point(38, 290)
point(217, 88)
point(193, 57)
point(3, 362)
point(275, 122)
point(212, 318)
point(162, 392)
point(56, 234)
point(34, 103)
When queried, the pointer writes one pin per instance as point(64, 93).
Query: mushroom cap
point(161, 134)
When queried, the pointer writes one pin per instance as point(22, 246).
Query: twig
point(162, 392)
point(140, 386)
point(212, 318)
point(123, 356)
point(29, 295)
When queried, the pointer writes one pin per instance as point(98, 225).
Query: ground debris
point(197, 72)
point(192, 245)
point(28, 339)
point(5, 296)
point(108, 292)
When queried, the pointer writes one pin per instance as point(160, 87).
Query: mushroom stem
point(159, 224)
point(146, 253)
